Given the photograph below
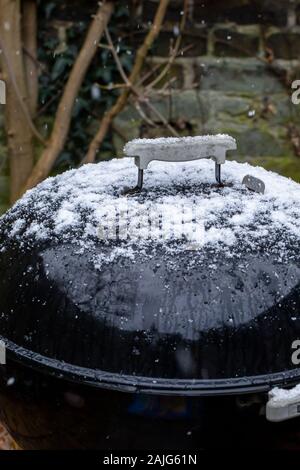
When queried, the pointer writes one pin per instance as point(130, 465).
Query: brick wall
point(235, 76)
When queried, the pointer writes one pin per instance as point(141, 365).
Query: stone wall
point(235, 77)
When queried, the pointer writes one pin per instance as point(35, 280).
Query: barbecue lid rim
point(139, 384)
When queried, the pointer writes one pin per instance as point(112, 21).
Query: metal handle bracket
point(179, 150)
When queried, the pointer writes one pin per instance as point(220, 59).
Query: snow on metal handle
point(179, 149)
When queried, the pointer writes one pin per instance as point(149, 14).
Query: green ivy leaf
point(59, 67)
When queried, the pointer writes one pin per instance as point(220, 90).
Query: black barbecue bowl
point(155, 349)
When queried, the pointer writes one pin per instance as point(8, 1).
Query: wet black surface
point(152, 318)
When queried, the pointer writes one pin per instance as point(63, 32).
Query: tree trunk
point(19, 134)
point(64, 112)
point(29, 23)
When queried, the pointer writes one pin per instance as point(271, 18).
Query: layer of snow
point(132, 147)
point(79, 204)
point(281, 397)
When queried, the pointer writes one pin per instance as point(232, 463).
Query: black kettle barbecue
point(143, 319)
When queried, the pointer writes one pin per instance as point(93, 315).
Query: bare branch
point(136, 91)
point(116, 58)
point(162, 118)
point(156, 67)
point(115, 86)
point(64, 112)
point(175, 50)
point(142, 114)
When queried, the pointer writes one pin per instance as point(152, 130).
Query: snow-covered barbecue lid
point(186, 287)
